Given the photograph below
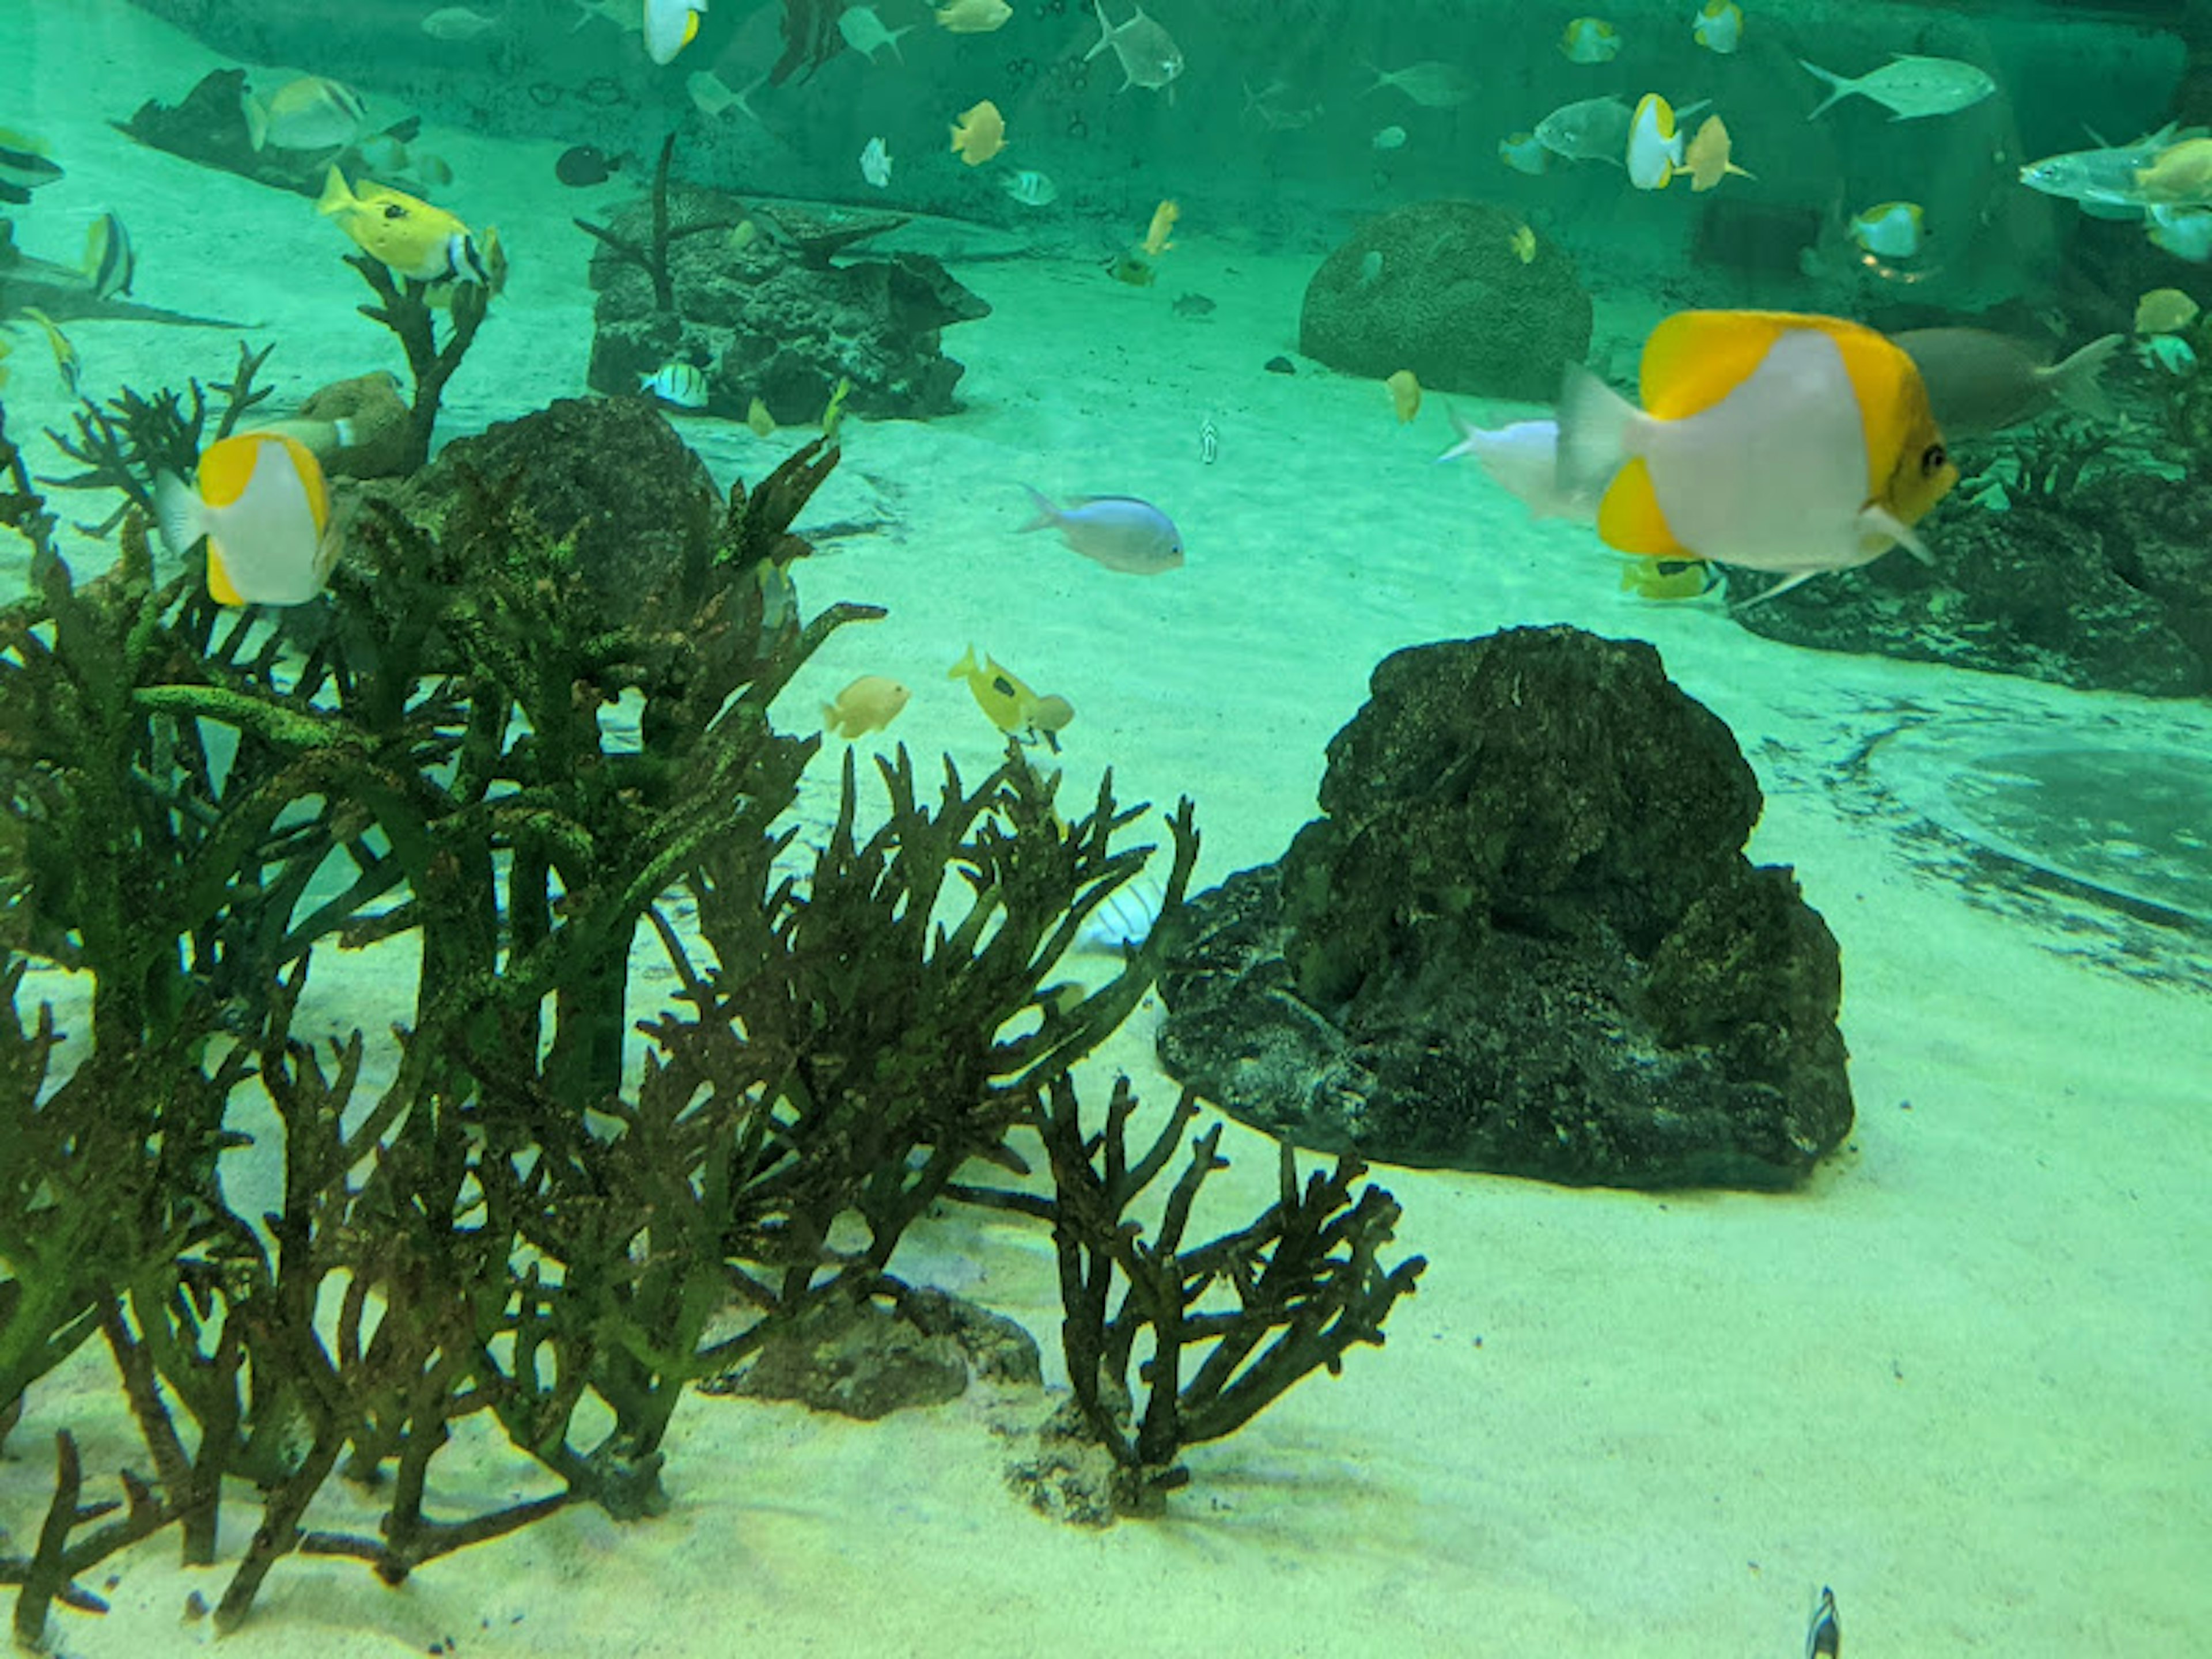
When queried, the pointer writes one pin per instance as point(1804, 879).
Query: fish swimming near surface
point(311, 112)
point(1979, 382)
point(1594, 130)
point(973, 16)
point(1031, 188)
point(679, 385)
point(261, 502)
point(1118, 531)
point(1776, 440)
point(23, 168)
point(1147, 56)
point(979, 133)
point(868, 704)
point(409, 236)
point(671, 25)
point(1429, 83)
point(1589, 41)
point(1719, 26)
point(110, 265)
point(1910, 88)
point(458, 23)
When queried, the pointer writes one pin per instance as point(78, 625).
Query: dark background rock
point(2104, 583)
point(1523, 939)
point(1453, 300)
point(772, 321)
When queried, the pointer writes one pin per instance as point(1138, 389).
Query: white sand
point(1961, 1376)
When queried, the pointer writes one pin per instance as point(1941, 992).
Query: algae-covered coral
point(514, 749)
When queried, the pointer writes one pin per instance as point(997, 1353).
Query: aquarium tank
point(1106, 828)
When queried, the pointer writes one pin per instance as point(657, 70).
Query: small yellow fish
point(261, 502)
point(980, 133)
point(2180, 172)
point(1157, 233)
point(1669, 581)
point(1706, 158)
point(743, 235)
point(1131, 267)
point(758, 418)
point(2162, 311)
point(409, 236)
point(1405, 395)
point(868, 704)
point(1590, 40)
point(1524, 244)
point(1011, 706)
point(67, 363)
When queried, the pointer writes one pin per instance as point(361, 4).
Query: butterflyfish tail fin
point(177, 508)
point(1594, 425)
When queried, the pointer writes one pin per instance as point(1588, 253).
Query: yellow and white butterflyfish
point(671, 25)
point(1775, 441)
point(1718, 27)
point(262, 502)
point(1655, 145)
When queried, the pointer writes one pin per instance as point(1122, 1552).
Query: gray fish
point(1429, 84)
point(1149, 57)
point(1979, 382)
point(1594, 130)
point(1193, 305)
point(1118, 531)
point(1909, 88)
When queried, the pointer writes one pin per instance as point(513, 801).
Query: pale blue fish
point(1118, 531)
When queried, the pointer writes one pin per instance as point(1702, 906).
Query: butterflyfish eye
point(1932, 460)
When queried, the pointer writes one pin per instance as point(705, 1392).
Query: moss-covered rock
point(1442, 287)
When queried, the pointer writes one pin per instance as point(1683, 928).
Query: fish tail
point(1594, 425)
point(1468, 432)
point(257, 120)
point(179, 511)
point(1048, 516)
point(2075, 383)
point(831, 719)
point(966, 667)
point(337, 196)
point(1839, 87)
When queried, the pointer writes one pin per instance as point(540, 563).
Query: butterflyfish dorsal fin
point(1630, 518)
point(225, 468)
point(1696, 358)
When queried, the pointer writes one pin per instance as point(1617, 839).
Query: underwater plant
point(651, 256)
point(405, 307)
point(129, 442)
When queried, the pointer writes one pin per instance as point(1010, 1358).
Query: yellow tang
point(262, 502)
point(1771, 440)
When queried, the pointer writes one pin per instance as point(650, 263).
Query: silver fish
point(2104, 176)
point(1118, 531)
point(1594, 130)
point(1149, 57)
point(1430, 84)
point(679, 385)
point(1979, 382)
point(1909, 88)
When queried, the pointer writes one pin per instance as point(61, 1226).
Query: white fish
point(1125, 919)
point(262, 503)
point(1654, 143)
point(865, 33)
point(1118, 531)
point(669, 26)
point(1910, 88)
point(1523, 460)
point(1895, 230)
point(1148, 57)
point(1719, 26)
point(679, 385)
point(457, 23)
point(1031, 188)
point(876, 164)
point(312, 112)
point(1429, 84)
point(2108, 175)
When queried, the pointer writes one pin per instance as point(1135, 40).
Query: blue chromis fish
point(1775, 441)
point(261, 502)
point(408, 235)
point(1118, 531)
point(67, 363)
point(23, 168)
point(110, 265)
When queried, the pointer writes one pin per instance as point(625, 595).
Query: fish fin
point(1696, 358)
point(342, 433)
point(337, 196)
point(1594, 425)
point(2073, 382)
point(1047, 515)
point(178, 510)
point(257, 119)
point(1630, 518)
point(1780, 587)
point(1839, 87)
point(966, 667)
point(1880, 520)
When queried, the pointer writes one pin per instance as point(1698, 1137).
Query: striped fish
point(110, 264)
point(1825, 1640)
point(679, 385)
point(1125, 920)
point(23, 168)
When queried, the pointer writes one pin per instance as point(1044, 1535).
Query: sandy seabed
point(1961, 1376)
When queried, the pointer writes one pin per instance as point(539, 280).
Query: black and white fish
point(1824, 1639)
point(23, 168)
point(679, 385)
point(1125, 920)
point(109, 263)
point(1031, 188)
